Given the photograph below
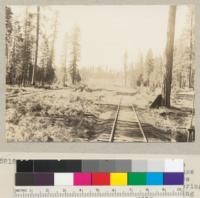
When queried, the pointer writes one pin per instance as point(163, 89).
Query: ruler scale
point(24, 192)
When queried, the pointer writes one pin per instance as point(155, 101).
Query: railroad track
point(124, 131)
point(126, 125)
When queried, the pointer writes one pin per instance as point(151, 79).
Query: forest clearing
point(82, 115)
point(54, 96)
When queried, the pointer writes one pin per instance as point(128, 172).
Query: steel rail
point(111, 139)
point(140, 125)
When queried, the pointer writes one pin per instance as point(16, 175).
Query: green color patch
point(137, 178)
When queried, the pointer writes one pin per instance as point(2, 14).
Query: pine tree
point(27, 49)
point(191, 48)
point(75, 55)
point(44, 56)
point(64, 59)
point(183, 67)
point(149, 66)
point(36, 49)
point(140, 79)
point(16, 57)
point(167, 80)
point(125, 67)
point(9, 30)
point(156, 74)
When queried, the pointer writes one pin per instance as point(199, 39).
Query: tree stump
point(157, 102)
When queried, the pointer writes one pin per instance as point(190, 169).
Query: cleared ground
point(85, 114)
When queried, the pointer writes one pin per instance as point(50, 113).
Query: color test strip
point(137, 179)
point(154, 179)
point(173, 178)
point(118, 179)
point(90, 166)
point(139, 166)
point(24, 165)
point(34, 179)
point(43, 179)
point(106, 165)
point(57, 166)
point(100, 179)
point(99, 172)
point(176, 165)
point(100, 166)
point(82, 179)
point(24, 179)
point(156, 166)
point(123, 166)
point(63, 179)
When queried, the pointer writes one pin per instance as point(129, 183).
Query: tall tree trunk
point(74, 69)
point(125, 68)
point(7, 58)
point(25, 50)
point(167, 80)
point(12, 64)
point(180, 80)
point(64, 59)
point(191, 53)
point(75, 55)
point(36, 49)
point(53, 41)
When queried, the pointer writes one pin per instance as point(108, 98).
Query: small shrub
point(35, 107)
point(12, 116)
point(21, 109)
point(16, 91)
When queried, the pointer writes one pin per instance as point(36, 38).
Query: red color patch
point(100, 179)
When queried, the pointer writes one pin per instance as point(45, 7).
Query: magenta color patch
point(82, 179)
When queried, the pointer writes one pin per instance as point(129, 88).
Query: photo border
point(98, 148)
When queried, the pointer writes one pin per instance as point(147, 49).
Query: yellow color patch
point(118, 179)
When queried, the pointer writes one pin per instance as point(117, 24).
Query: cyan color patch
point(155, 178)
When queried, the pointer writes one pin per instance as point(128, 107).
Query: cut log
point(157, 102)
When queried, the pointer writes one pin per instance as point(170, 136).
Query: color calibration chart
point(100, 178)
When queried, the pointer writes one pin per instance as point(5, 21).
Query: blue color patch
point(155, 178)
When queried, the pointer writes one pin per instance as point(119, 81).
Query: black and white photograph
point(100, 73)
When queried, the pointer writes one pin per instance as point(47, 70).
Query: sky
point(108, 31)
